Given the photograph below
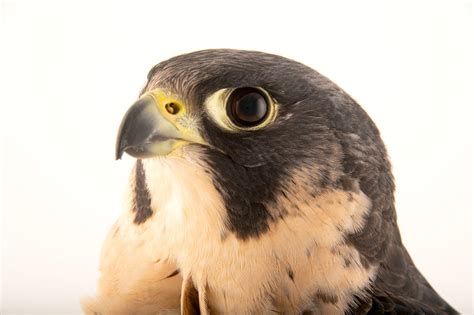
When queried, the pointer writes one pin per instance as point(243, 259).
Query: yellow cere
point(174, 110)
point(163, 100)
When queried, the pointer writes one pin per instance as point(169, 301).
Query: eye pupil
point(247, 107)
point(251, 107)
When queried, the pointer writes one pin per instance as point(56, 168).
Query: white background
point(69, 71)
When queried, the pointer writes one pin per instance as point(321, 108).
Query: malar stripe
point(142, 204)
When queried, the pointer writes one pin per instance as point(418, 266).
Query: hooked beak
point(150, 129)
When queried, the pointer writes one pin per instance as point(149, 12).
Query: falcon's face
point(263, 127)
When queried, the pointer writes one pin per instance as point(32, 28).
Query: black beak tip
point(120, 148)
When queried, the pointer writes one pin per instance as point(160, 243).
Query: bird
point(259, 187)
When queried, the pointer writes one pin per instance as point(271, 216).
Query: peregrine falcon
point(260, 187)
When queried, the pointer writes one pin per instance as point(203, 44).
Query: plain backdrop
point(70, 70)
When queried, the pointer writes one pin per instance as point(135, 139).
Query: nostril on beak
point(172, 108)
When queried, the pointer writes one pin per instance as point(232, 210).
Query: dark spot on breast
point(224, 235)
point(347, 262)
point(116, 230)
point(296, 208)
point(142, 204)
point(291, 274)
point(225, 298)
point(326, 297)
point(174, 273)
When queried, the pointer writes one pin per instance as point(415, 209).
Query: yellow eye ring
point(247, 107)
point(219, 107)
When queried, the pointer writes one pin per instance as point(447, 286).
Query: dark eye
point(247, 107)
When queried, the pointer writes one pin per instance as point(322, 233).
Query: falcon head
point(272, 135)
